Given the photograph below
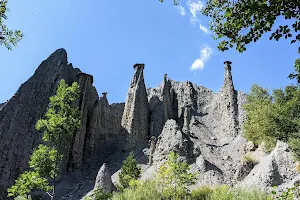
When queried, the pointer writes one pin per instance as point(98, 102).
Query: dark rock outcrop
point(19, 115)
point(100, 128)
point(105, 133)
point(86, 102)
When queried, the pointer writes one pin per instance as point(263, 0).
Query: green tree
point(297, 70)
point(272, 117)
point(174, 177)
point(242, 22)
point(129, 171)
point(61, 120)
point(28, 181)
point(8, 37)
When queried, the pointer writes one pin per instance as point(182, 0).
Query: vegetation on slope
point(62, 118)
point(171, 184)
point(274, 116)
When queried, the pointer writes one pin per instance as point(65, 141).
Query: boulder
point(103, 180)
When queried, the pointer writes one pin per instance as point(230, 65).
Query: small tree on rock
point(129, 171)
point(62, 119)
point(174, 177)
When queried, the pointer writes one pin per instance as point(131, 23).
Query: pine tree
point(129, 171)
point(174, 176)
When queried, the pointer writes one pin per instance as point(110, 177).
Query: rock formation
point(173, 139)
point(19, 115)
point(135, 118)
point(202, 126)
point(87, 100)
point(103, 180)
point(230, 100)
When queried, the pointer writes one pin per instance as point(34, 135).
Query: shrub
point(173, 177)
point(129, 171)
point(249, 158)
point(24, 197)
point(97, 194)
point(27, 182)
point(288, 194)
point(294, 144)
point(224, 192)
point(201, 193)
point(143, 190)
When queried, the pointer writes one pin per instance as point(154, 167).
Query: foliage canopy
point(129, 171)
point(242, 22)
point(8, 37)
point(272, 117)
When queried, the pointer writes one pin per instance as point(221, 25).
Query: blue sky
point(106, 37)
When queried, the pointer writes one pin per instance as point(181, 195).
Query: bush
point(97, 194)
point(224, 192)
point(27, 182)
point(294, 144)
point(249, 158)
point(173, 177)
point(288, 194)
point(143, 190)
point(129, 171)
point(201, 193)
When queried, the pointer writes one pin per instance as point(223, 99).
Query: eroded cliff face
point(202, 126)
point(19, 115)
point(105, 133)
point(100, 123)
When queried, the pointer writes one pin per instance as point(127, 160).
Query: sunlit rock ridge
point(203, 127)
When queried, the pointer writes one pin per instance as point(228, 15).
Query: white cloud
point(195, 6)
point(182, 11)
point(204, 29)
point(197, 64)
point(205, 54)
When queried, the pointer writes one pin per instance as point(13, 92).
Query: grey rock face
point(200, 111)
point(243, 170)
point(203, 127)
point(100, 128)
point(19, 115)
point(230, 106)
point(103, 180)
point(86, 102)
point(167, 98)
point(162, 105)
point(104, 129)
point(249, 146)
point(277, 168)
point(173, 139)
point(135, 118)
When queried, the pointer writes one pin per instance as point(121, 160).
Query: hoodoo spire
point(135, 118)
point(167, 99)
point(230, 100)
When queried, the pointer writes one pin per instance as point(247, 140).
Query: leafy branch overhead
point(242, 22)
point(8, 37)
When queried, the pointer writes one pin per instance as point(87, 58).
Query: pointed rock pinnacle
point(135, 118)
